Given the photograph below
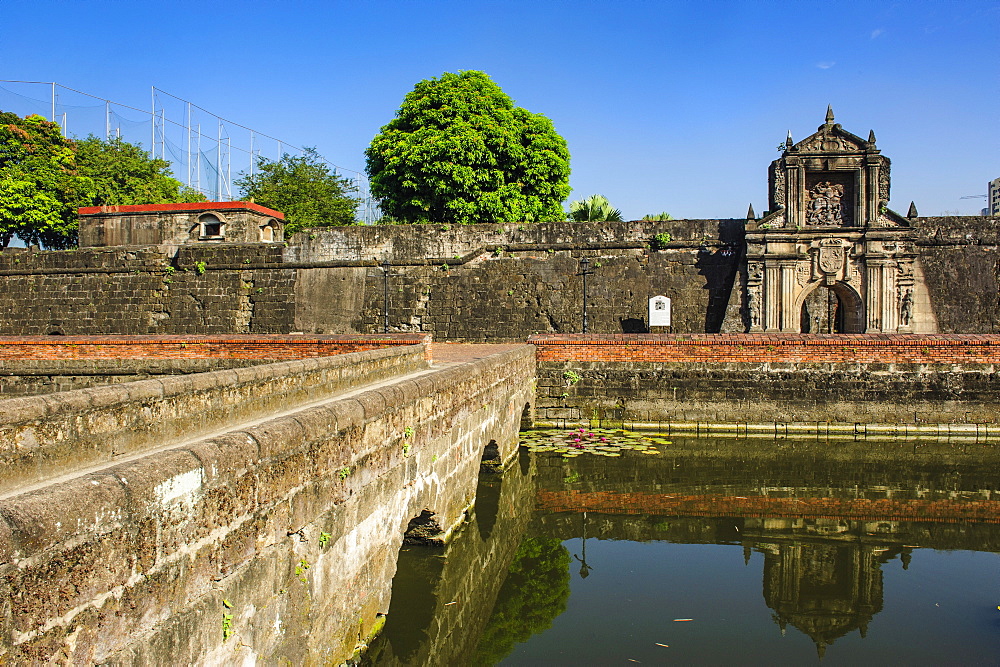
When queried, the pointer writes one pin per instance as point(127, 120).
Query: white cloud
point(877, 32)
point(826, 64)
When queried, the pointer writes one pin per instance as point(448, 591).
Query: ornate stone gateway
point(829, 257)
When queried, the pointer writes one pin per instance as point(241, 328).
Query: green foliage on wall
point(304, 188)
point(595, 208)
point(660, 241)
point(658, 216)
point(460, 151)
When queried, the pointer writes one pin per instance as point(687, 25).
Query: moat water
point(618, 548)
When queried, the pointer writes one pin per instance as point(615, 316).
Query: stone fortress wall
point(475, 282)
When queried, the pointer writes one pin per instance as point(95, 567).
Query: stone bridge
point(255, 511)
point(243, 514)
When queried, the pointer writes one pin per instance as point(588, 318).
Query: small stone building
point(180, 224)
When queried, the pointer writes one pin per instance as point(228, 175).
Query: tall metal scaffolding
point(202, 147)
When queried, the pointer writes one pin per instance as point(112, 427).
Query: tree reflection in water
point(534, 594)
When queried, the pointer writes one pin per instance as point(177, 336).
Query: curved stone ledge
point(52, 434)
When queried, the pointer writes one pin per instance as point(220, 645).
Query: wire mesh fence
point(207, 152)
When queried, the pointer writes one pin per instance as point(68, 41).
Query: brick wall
point(771, 348)
point(218, 289)
point(22, 348)
point(891, 379)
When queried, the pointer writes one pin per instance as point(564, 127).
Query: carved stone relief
point(830, 258)
point(883, 184)
point(753, 307)
point(802, 274)
point(779, 187)
point(905, 305)
point(855, 276)
point(824, 143)
point(825, 205)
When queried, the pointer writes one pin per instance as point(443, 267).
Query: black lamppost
point(385, 295)
point(584, 568)
point(585, 271)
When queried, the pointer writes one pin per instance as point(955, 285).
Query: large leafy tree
point(40, 185)
point(45, 177)
point(460, 151)
point(304, 189)
point(124, 173)
point(595, 208)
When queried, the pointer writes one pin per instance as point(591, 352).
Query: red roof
point(182, 207)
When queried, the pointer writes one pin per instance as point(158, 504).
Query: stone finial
point(829, 114)
point(912, 213)
point(871, 136)
point(788, 140)
point(750, 214)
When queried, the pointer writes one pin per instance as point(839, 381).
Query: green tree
point(595, 208)
point(40, 186)
point(124, 174)
point(304, 189)
point(459, 151)
point(658, 216)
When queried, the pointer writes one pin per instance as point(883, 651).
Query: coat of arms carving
point(831, 257)
point(802, 274)
point(825, 207)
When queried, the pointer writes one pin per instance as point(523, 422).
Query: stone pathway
point(445, 353)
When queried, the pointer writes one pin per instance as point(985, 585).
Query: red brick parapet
point(181, 208)
point(776, 348)
point(229, 346)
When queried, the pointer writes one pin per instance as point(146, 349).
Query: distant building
point(993, 208)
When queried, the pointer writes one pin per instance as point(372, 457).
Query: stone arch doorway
point(833, 308)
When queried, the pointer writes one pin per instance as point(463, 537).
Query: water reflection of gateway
point(821, 577)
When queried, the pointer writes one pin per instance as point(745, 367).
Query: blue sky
point(674, 106)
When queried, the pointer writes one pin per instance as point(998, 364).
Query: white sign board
point(659, 311)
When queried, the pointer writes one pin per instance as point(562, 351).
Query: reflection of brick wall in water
point(943, 510)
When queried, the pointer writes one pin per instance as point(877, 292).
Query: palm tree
point(658, 216)
point(595, 208)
